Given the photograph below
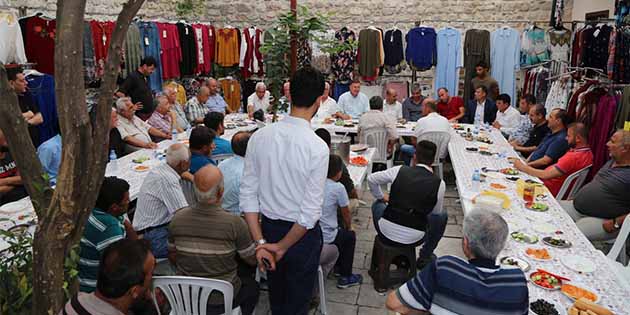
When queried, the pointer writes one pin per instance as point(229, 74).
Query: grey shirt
point(411, 110)
point(606, 196)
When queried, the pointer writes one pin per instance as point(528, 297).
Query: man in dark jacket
point(481, 109)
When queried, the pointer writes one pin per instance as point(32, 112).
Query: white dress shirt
point(393, 231)
point(479, 113)
point(432, 122)
point(509, 119)
point(285, 170)
point(327, 108)
point(159, 198)
point(135, 127)
point(259, 103)
point(394, 110)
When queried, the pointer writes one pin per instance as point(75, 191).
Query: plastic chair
point(620, 248)
point(572, 184)
point(382, 257)
point(440, 139)
point(221, 157)
point(189, 295)
point(377, 138)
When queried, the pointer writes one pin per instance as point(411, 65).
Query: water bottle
point(476, 181)
point(174, 134)
point(113, 162)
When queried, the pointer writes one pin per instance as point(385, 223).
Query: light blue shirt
point(353, 106)
point(49, 154)
point(505, 44)
point(335, 196)
point(232, 170)
point(449, 51)
point(216, 103)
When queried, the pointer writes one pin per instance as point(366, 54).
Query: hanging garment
point(42, 89)
point(595, 49)
point(232, 94)
point(421, 49)
point(449, 50)
point(321, 60)
point(621, 63)
point(557, 96)
point(623, 114)
point(476, 49)
point(393, 48)
point(339, 89)
point(209, 33)
point(12, 43)
point(188, 63)
point(101, 37)
point(171, 51)
point(370, 52)
point(226, 47)
point(505, 59)
point(559, 44)
point(133, 50)
point(40, 43)
point(304, 53)
point(342, 66)
point(89, 63)
point(204, 49)
point(150, 38)
point(601, 129)
point(251, 59)
point(557, 9)
point(534, 46)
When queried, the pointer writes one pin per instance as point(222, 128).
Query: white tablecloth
point(603, 281)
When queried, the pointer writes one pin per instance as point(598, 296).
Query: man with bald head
point(198, 251)
point(328, 106)
point(391, 106)
point(215, 102)
point(196, 108)
point(160, 197)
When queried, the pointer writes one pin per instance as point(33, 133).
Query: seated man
point(162, 119)
point(520, 134)
point(577, 158)
point(196, 108)
point(451, 107)
point(376, 118)
point(11, 188)
point(200, 251)
point(508, 117)
point(431, 122)
point(554, 145)
point(412, 106)
point(160, 197)
point(105, 225)
point(481, 109)
point(178, 114)
point(214, 121)
point(123, 286)
point(116, 142)
point(414, 212)
point(601, 206)
point(328, 106)
point(539, 130)
point(260, 100)
point(215, 102)
point(232, 170)
point(391, 106)
point(353, 104)
point(49, 154)
point(335, 196)
point(201, 144)
point(451, 285)
point(135, 132)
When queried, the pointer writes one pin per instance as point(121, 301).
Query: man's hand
point(28, 115)
point(609, 226)
point(496, 124)
point(151, 145)
point(274, 248)
point(263, 253)
point(385, 198)
point(138, 106)
point(452, 121)
point(518, 164)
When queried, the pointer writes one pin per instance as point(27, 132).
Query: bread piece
point(589, 312)
point(574, 311)
point(585, 304)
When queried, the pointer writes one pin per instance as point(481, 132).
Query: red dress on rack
point(171, 50)
point(101, 37)
point(40, 43)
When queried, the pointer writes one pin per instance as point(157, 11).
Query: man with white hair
point(200, 251)
point(215, 102)
point(451, 285)
point(161, 118)
point(328, 106)
point(196, 108)
point(160, 197)
point(259, 100)
point(133, 130)
point(178, 114)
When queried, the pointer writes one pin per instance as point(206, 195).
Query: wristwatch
point(261, 241)
point(616, 224)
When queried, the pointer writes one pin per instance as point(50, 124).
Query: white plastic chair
point(441, 140)
point(620, 248)
point(221, 157)
point(377, 138)
point(577, 179)
point(189, 295)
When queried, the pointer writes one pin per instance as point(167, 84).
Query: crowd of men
point(281, 202)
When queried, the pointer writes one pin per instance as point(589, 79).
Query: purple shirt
point(160, 122)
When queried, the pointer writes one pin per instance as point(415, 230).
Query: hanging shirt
point(251, 61)
point(342, 66)
point(476, 49)
point(12, 48)
point(393, 46)
point(188, 44)
point(40, 43)
point(232, 94)
point(449, 50)
point(150, 38)
point(171, 52)
point(370, 51)
point(505, 52)
point(321, 60)
point(133, 49)
point(101, 37)
point(534, 46)
point(226, 47)
point(421, 48)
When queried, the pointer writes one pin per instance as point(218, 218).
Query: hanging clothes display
point(559, 49)
point(534, 46)
point(101, 37)
point(89, 63)
point(450, 59)
point(11, 40)
point(40, 43)
point(133, 49)
point(231, 93)
point(171, 52)
point(342, 66)
point(205, 51)
point(623, 114)
point(421, 52)
point(558, 96)
point(595, 47)
point(42, 89)
point(226, 47)
point(536, 83)
point(370, 52)
point(505, 59)
point(557, 9)
point(321, 60)
point(251, 61)
point(393, 47)
point(476, 49)
point(150, 38)
point(188, 63)
point(304, 54)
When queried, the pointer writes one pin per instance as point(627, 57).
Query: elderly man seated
point(178, 114)
point(160, 197)
point(133, 130)
point(232, 170)
point(451, 285)
point(601, 206)
point(375, 118)
point(200, 251)
point(328, 106)
point(259, 100)
point(11, 187)
point(196, 108)
point(162, 119)
point(391, 106)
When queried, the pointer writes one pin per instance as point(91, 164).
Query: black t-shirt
point(27, 103)
point(137, 87)
point(8, 168)
point(346, 180)
point(537, 134)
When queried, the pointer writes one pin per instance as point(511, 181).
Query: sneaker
point(352, 280)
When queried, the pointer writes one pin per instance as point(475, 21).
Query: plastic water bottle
point(113, 162)
point(476, 180)
point(174, 135)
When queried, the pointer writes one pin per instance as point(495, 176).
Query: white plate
point(578, 263)
point(358, 147)
point(537, 259)
point(581, 286)
point(543, 227)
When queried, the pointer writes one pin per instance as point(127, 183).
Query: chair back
point(376, 138)
point(620, 241)
point(572, 184)
point(189, 295)
point(440, 139)
point(221, 157)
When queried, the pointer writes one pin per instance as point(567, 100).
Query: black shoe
point(423, 262)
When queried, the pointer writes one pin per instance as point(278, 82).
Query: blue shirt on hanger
point(421, 50)
point(449, 48)
point(505, 50)
point(150, 42)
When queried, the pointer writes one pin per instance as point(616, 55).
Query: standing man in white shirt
point(430, 122)
point(286, 166)
point(328, 106)
point(391, 106)
point(353, 103)
point(259, 100)
point(508, 117)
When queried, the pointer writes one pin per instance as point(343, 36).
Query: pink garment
point(601, 130)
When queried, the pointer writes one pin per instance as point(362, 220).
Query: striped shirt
point(101, 230)
point(161, 122)
point(91, 304)
point(210, 252)
point(195, 110)
point(159, 197)
point(450, 285)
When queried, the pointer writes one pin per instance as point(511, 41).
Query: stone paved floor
point(364, 299)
